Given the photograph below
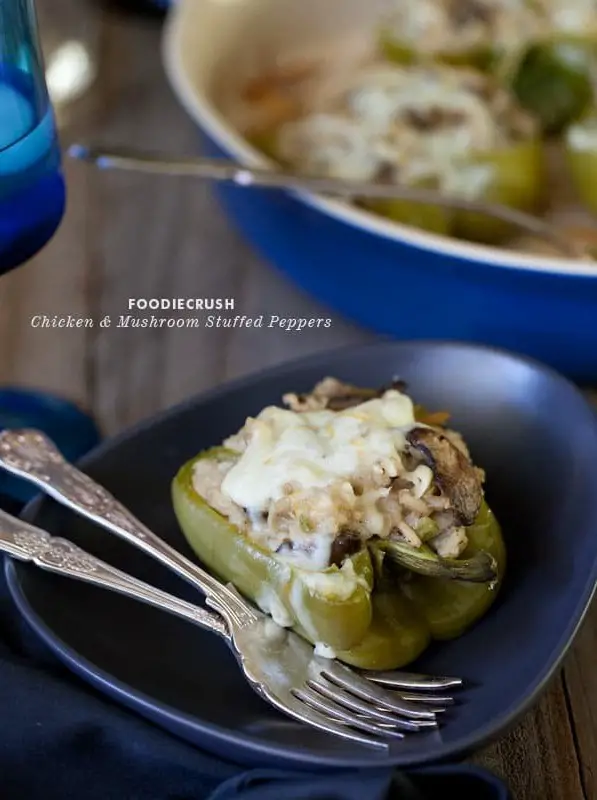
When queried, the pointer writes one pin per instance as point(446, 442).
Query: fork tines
point(355, 704)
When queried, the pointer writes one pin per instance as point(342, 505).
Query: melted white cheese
point(414, 20)
point(583, 136)
point(421, 477)
point(432, 22)
point(329, 144)
point(572, 16)
point(334, 585)
point(315, 449)
point(381, 94)
point(324, 651)
point(317, 556)
point(269, 602)
point(371, 130)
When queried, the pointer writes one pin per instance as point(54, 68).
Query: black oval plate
point(529, 428)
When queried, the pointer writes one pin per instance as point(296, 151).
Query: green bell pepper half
point(365, 613)
point(338, 621)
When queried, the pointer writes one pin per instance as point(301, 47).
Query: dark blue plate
point(529, 428)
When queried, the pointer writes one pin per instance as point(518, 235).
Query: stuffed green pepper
point(444, 128)
point(350, 515)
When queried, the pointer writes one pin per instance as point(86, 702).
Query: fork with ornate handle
point(279, 664)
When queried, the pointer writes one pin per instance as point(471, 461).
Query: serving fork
point(369, 708)
point(217, 169)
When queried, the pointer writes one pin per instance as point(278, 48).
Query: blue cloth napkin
point(61, 739)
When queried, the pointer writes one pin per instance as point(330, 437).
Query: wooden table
point(128, 236)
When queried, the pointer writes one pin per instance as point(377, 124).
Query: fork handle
point(26, 542)
point(30, 454)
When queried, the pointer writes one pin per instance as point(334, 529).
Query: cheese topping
point(315, 449)
point(583, 135)
point(413, 125)
point(302, 478)
point(455, 25)
point(339, 586)
point(324, 651)
point(570, 16)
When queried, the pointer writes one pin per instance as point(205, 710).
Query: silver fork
point(311, 680)
point(279, 664)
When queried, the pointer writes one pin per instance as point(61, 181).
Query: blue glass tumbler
point(32, 190)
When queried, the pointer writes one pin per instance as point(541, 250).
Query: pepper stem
point(480, 568)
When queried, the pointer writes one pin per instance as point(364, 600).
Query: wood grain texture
point(134, 236)
point(168, 238)
point(538, 758)
point(580, 680)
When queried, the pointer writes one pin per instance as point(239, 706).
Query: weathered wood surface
point(130, 236)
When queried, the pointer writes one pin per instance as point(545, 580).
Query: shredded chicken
point(208, 475)
point(450, 544)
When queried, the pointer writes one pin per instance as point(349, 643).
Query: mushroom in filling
point(454, 473)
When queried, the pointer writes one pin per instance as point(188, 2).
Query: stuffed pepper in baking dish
point(543, 49)
point(350, 516)
point(435, 127)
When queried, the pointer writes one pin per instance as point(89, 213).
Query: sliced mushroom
point(454, 473)
point(434, 118)
point(350, 396)
point(344, 545)
point(467, 12)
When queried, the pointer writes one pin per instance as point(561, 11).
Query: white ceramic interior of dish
point(212, 47)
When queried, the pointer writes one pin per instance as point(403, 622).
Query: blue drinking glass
point(32, 190)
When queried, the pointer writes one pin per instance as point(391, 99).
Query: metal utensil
point(278, 664)
point(229, 171)
point(29, 543)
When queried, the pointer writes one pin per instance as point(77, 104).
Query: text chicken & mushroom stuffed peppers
point(352, 516)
